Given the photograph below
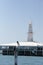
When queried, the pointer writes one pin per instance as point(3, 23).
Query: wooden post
point(16, 55)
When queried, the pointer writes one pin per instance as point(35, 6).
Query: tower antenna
point(30, 33)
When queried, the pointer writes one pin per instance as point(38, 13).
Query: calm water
point(23, 60)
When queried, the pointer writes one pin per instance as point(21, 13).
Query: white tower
point(30, 33)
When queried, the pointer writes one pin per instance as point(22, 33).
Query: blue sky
point(14, 20)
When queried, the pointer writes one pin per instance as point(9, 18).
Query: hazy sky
point(14, 20)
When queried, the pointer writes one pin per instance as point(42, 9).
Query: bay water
point(21, 60)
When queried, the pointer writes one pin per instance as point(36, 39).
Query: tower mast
point(30, 33)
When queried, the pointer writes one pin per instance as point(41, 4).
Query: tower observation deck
point(30, 33)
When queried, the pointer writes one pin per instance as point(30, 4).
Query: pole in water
point(15, 56)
